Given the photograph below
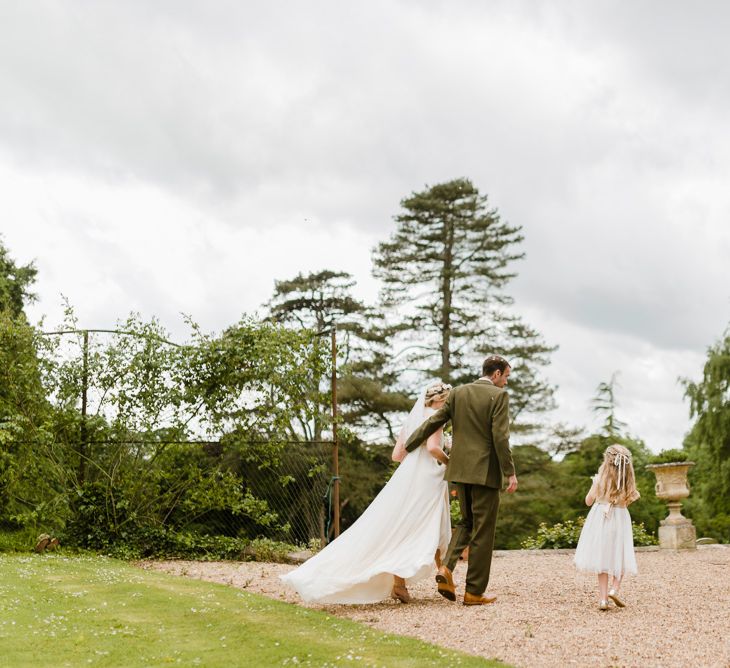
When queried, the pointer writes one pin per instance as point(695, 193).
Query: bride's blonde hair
point(436, 391)
point(616, 480)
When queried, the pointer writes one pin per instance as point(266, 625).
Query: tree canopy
point(708, 442)
point(16, 282)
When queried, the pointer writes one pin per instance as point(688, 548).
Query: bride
point(394, 541)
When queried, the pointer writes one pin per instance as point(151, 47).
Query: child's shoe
point(603, 604)
point(613, 595)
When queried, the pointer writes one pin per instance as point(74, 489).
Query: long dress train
point(398, 534)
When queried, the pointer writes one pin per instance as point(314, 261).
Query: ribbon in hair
point(620, 461)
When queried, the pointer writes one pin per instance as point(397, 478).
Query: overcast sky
point(180, 156)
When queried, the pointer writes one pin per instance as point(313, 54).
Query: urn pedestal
point(676, 532)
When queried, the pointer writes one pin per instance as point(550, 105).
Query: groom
point(480, 458)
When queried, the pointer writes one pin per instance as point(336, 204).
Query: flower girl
point(606, 543)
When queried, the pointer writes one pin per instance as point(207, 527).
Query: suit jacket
point(480, 452)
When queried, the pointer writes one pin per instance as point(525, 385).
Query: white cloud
point(111, 249)
point(178, 156)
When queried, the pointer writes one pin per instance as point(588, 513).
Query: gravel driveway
point(677, 614)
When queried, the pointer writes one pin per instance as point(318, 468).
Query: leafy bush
point(264, 549)
point(455, 509)
point(160, 543)
point(560, 535)
point(641, 536)
point(17, 540)
point(670, 456)
point(566, 534)
point(315, 544)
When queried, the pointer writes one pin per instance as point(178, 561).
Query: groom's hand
point(512, 484)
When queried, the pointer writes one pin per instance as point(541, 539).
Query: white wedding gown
point(398, 534)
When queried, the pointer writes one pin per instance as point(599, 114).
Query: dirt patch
point(677, 614)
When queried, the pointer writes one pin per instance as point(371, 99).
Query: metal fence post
point(335, 444)
point(84, 403)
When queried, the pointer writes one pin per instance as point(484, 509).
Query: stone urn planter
point(676, 532)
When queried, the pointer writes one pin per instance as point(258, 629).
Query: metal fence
point(296, 486)
point(301, 486)
point(286, 488)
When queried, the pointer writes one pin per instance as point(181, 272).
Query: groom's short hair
point(494, 363)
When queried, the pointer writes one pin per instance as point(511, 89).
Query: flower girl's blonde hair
point(616, 481)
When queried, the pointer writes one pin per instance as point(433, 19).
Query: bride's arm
point(399, 451)
point(433, 445)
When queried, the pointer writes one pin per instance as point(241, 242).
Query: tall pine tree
point(605, 404)
point(366, 387)
point(444, 272)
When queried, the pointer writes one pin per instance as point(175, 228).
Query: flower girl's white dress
point(398, 534)
point(606, 543)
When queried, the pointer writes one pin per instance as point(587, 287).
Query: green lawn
point(86, 610)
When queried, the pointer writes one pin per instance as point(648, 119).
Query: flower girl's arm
point(433, 445)
point(591, 496)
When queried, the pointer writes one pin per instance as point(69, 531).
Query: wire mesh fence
point(237, 489)
point(134, 484)
point(295, 486)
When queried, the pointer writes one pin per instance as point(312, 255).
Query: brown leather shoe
point(446, 583)
point(473, 599)
point(400, 594)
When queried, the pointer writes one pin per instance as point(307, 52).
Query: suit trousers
point(479, 507)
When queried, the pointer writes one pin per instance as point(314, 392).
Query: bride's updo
point(437, 391)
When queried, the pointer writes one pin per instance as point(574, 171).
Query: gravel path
point(677, 614)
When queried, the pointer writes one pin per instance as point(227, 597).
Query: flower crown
point(436, 389)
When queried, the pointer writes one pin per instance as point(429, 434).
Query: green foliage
point(669, 456)
point(364, 470)
point(15, 284)
point(708, 444)
point(641, 536)
point(31, 481)
point(605, 403)
point(367, 393)
point(544, 495)
point(583, 463)
point(316, 301)
point(566, 535)
point(712, 526)
point(21, 539)
point(456, 253)
point(166, 544)
point(553, 492)
point(123, 472)
point(265, 549)
point(560, 535)
point(455, 511)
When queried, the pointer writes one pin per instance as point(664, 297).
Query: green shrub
point(566, 534)
point(159, 543)
point(560, 535)
point(455, 510)
point(641, 536)
point(264, 549)
point(717, 527)
point(315, 544)
point(124, 535)
point(669, 456)
point(18, 539)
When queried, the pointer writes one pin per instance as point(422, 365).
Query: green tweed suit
point(480, 459)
